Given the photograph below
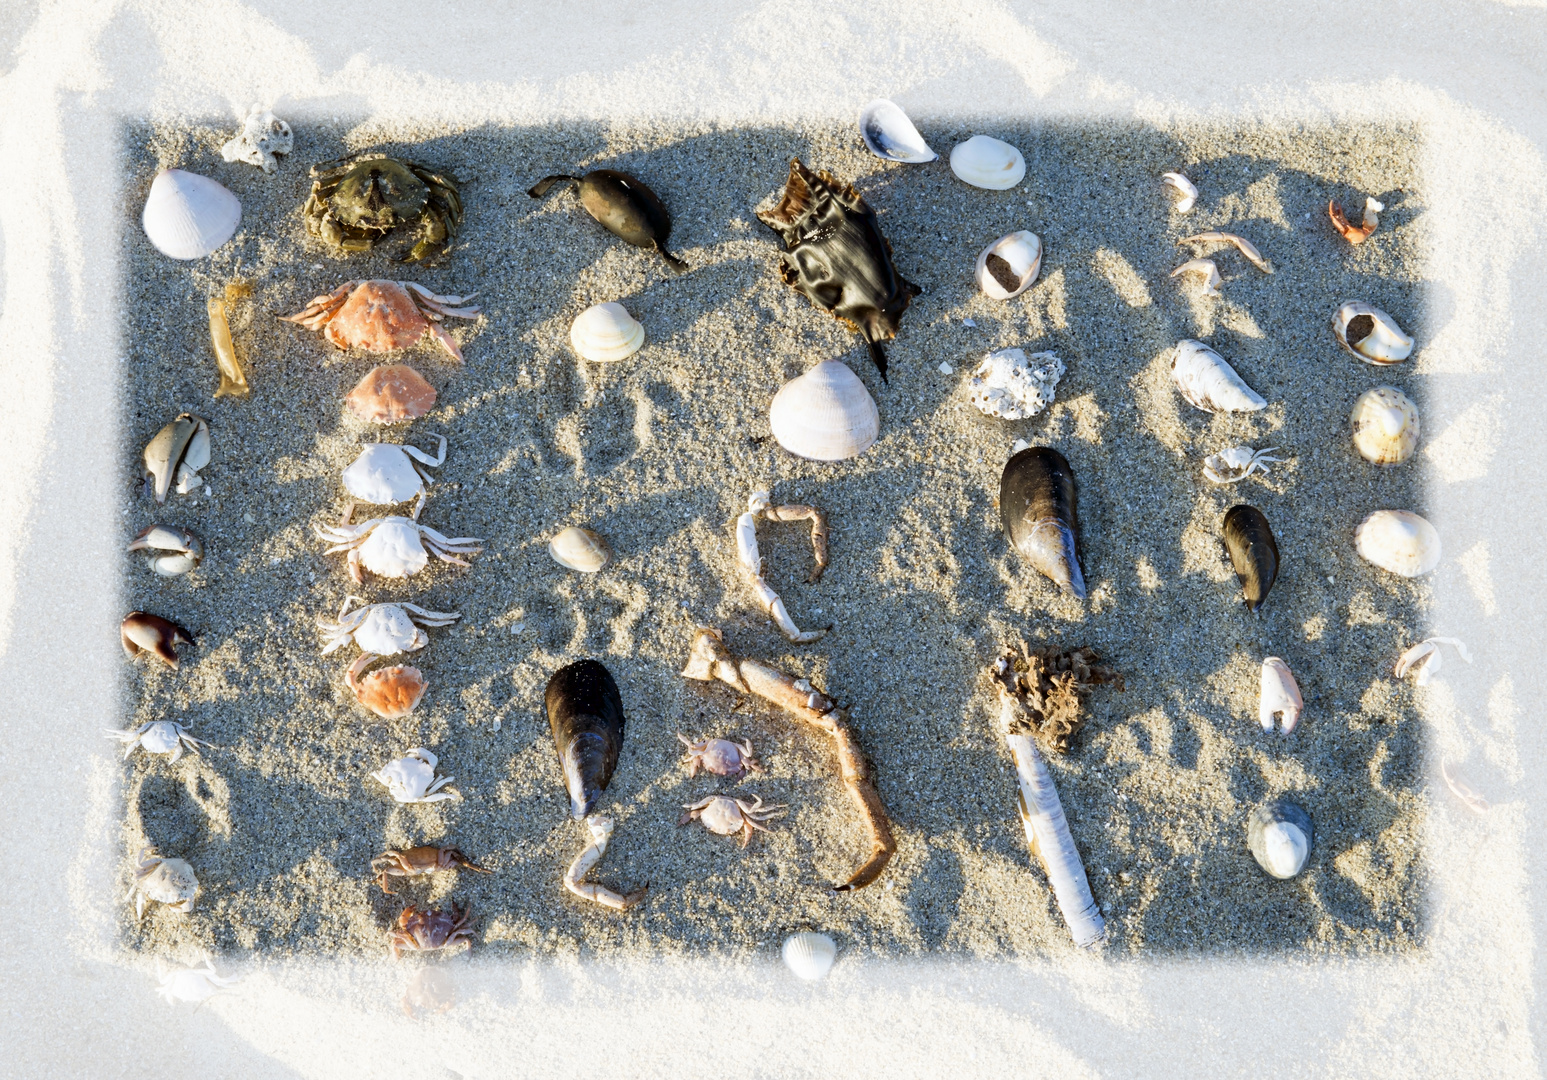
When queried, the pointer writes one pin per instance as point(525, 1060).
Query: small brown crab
point(356, 202)
point(381, 316)
point(726, 816)
point(417, 861)
point(426, 931)
point(720, 756)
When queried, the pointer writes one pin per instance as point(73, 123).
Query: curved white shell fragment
point(1280, 695)
point(1243, 245)
point(825, 414)
point(187, 216)
point(1400, 541)
point(809, 955)
point(1208, 382)
point(1370, 334)
point(411, 778)
point(262, 136)
point(179, 549)
point(1188, 190)
point(986, 162)
point(891, 136)
point(1424, 658)
point(194, 984)
point(606, 332)
point(1207, 268)
point(1385, 426)
point(1008, 266)
point(580, 549)
point(1279, 835)
point(1007, 385)
point(386, 473)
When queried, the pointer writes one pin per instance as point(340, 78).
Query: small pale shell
point(580, 549)
point(1006, 384)
point(986, 162)
point(1009, 265)
point(825, 414)
point(1385, 426)
point(1370, 334)
point(187, 216)
point(1400, 541)
point(1208, 382)
point(194, 984)
point(1280, 695)
point(1188, 190)
point(1207, 268)
point(606, 332)
point(810, 956)
point(1280, 834)
point(890, 135)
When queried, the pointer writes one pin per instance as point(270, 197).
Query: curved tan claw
point(600, 826)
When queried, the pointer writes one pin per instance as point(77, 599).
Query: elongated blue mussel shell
point(585, 712)
point(1037, 506)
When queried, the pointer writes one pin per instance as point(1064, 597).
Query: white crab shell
point(384, 474)
point(1209, 383)
point(169, 881)
point(722, 816)
point(411, 778)
point(1007, 385)
point(387, 629)
point(162, 737)
point(194, 984)
point(394, 548)
point(1187, 189)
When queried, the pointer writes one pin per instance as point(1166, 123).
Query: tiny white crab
point(726, 816)
point(1237, 463)
point(1424, 658)
point(394, 546)
point(166, 881)
point(195, 984)
point(158, 737)
point(382, 629)
point(388, 473)
point(411, 778)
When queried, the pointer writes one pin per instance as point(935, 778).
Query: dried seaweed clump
point(1046, 685)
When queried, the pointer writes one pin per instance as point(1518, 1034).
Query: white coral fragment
point(262, 136)
point(1012, 386)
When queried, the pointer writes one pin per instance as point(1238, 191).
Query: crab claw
point(141, 632)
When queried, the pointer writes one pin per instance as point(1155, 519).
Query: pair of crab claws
point(143, 632)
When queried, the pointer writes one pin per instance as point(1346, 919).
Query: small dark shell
point(585, 712)
point(1037, 506)
point(1284, 859)
point(623, 205)
point(1253, 553)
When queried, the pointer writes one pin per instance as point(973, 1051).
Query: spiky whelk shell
point(1046, 685)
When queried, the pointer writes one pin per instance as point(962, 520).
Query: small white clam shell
point(1208, 382)
point(1008, 266)
point(810, 956)
point(1385, 425)
point(1279, 835)
point(580, 549)
point(1280, 695)
point(1400, 541)
point(606, 332)
point(890, 135)
point(825, 414)
point(1370, 334)
point(986, 162)
point(187, 216)
point(1012, 386)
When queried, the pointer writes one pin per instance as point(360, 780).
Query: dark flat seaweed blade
point(1037, 505)
point(1253, 553)
point(585, 713)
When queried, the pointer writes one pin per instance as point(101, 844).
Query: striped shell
point(825, 414)
point(187, 216)
point(606, 332)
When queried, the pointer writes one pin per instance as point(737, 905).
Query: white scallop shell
point(606, 332)
point(1400, 541)
point(1280, 694)
point(1385, 426)
point(187, 216)
point(383, 474)
point(580, 549)
point(1022, 251)
point(1208, 382)
point(890, 135)
point(1385, 343)
point(1006, 384)
point(810, 956)
point(825, 414)
point(986, 162)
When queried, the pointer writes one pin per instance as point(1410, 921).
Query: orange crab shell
point(391, 394)
point(1354, 234)
point(390, 692)
point(379, 316)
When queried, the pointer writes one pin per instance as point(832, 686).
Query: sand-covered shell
point(1400, 541)
point(391, 394)
point(1008, 266)
point(1370, 334)
point(1012, 386)
point(825, 414)
point(1037, 506)
point(809, 955)
point(1208, 382)
point(891, 136)
point(986, 162)
point(580, 549)
point(1385, 426)
point(1278, 695)
point(1253, 553)
point(1279, 834)
point(187, 216)
point(606, 332)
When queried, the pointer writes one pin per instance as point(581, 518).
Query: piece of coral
point(1047, 685)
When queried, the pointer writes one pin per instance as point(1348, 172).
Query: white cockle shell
point(187, 216)
point(1385, 426)
point(1016, 259)
point(411, 778)
point(891, 136)
point(1279, 835)
point(394, 549)
point(810, 956)
point(1012, 386)
point(194, 984)
point(825, 414)
point(986, 162)
point(383, 473)
point(1280, 695)
point(1208, 382)
point(262, 136)
point(1400, 541)
point(387, 629)
point(606, 332)
point(580, 549)
point(1376, 337)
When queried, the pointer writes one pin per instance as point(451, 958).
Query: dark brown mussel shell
point(1253, 553)
point(1037, 506)
point(624, 206)
point(585, 712)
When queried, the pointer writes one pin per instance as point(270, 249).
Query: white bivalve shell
point(187, 216)
point(1400, 541)
point(386, 473)
point(986, 162)
point(1280, 695)
point(1279, 835)
point(1206, 381)
point(606, 332)
point(1370, 334)
point(1009, 265)
point(891, 136)
point(262, 136)
point(825, 414)
point(1012, 386)
point(1385, 426)
point(810, 956)
point(580, 549)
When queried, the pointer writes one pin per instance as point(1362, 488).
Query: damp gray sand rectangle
point(658, 453)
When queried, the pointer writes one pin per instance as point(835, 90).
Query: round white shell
point(387, 629)
point(606, 332)
point(1384, 344)
point(1208, 382)
point(1023, 251)
point(890, 135)
point(1284, 849)
point(825, 414)
point(1400, 541)
point(187, 216)
point(394, 549)
point(171, 881)
point(810, 956)
point(580, 549)
point(1385, 426)
point(384, 474)
point(986, 162)
point(1009, 386)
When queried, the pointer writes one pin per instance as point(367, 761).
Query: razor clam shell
point(187, 216)
point(825, 414)
point(891, 136)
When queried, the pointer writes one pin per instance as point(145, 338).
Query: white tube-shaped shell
point(986, 162)
point(746, 544)
point(1280, 695)
point(1208, 382)
point(1008, 266)
point(891, 136)
point(1385, 426)
point(810, 956)
point(825, 414)
point(606, 332)
point(1370, 334)
point(187, 216)
point(1400, 541)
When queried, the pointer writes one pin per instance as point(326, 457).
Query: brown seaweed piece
point(1046, 685)
point(836, 256)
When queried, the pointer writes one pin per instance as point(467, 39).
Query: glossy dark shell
point(1253, 553)
point(585, 712)
point(623, 205)
point(1037, 506)
point(837, 258)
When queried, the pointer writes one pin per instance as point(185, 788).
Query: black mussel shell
point(624, 206)
point(1037, 506)
point(585, 712)
point(1253, 553)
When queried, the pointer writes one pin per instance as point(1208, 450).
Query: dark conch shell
point(142, 632)
point(1253, 553)
point(1037, 506)
point(623, 205)
point(585, 712)
point(837, 258)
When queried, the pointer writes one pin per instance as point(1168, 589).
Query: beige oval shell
point(1385, 426)
point(390, 394)
point(1400, 541)
point(986, 162)
point(1377, 339)
point(825, 414)
point(606, 332)
point(580, 549)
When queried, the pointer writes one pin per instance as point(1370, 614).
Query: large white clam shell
point(825, 414)
point(580, 549)
point(187, 216)
point(1280, 695)
point(890, 135)
point(986, 162)
point(1385, 425)
point(1012, 386)
point(1375, 336)
point(1208, 382)
point(606, 332)
point(1400, 541)
point(1016, 258)
point(810, 956)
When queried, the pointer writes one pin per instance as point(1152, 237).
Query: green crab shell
point(379, 194)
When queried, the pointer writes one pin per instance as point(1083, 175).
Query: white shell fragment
point(1237, 463)
point(194, 984)
point(606, 332)
point(891, 136)
point(1385, 426)
point(986, 162)
point(810, 956)
point(1012, 386)
point(1208, 382)
point(176, 454)
point(187, 216)
point(1207, 268)
point(580, 549)
point(1008, 266)
point(1185, 187)
point(386, 473)
point(825, 414)
point(1370, 334)
point(1400, 541)
point(411, 778)
point(1243, 245)
point(1279, 835)
point(262, 136)
point(1424, 658)
point(1280, 696)
point(177, 551)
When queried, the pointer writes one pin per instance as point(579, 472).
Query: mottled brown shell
point(1047, 684)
